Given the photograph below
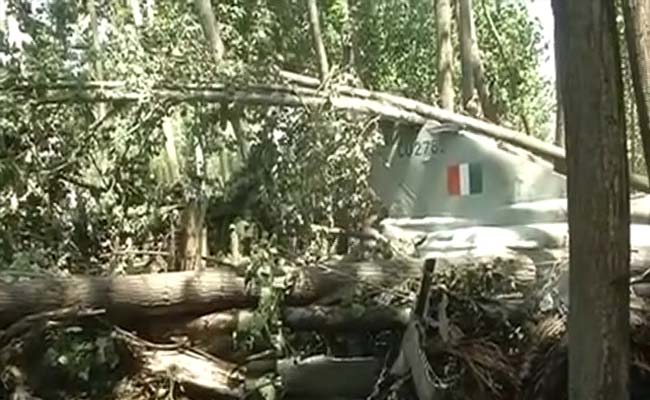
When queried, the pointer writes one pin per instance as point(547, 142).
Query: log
point(249, 96)
point(319, 376)
point(188, 295)
point(131, 297)
point(347, 98)
point(185, 365)
point(312, 318)
point(329, 377)
point(314, 377)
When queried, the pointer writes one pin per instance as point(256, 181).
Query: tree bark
point(96, 48)
point(310, 318)
point(194, 232)
point(637, 33)
point(467, 66)
point(314, 23)
point(210, 28)
point(328, 377)
point(347, 37)
point(560, 134)
point(473, 74)
point(445, 54)
point(192, 237)
point(316, 376)
point(3, 16)
point(189, 366)
point(132, 297)
point(598, 200)
point(559, 107)
point(482, 89)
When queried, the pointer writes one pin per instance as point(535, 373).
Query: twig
point(135, 340)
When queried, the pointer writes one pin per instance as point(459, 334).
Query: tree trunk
point(330, 319)
point(559, 139)
point(192, 240)
point(637, 33)
point(96, 48)
point(445, 55)
point(465, 36)
point(130, 298)
point(559, 108)
point(3, 16)
point(473, 74)
point(149, 11)
point(347, 41)
point(135, 10)
point(189, 366)
point(481, 87)
point(240, 127)
point(210, 28)
point(598, 200)
point(363, 101)
point(314, 23)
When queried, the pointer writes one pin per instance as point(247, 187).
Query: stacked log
point(477, 305)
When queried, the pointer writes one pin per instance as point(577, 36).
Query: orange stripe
point(453, 180)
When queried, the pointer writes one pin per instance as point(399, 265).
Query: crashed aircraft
point(450, 190)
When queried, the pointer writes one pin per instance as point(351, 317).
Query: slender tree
point(637, 34)
point(149, 11)
point(96, 48)
point(465, 33)
point(598, 199)
point(445, 54)
point(135, 10)
point(193, 238)
point(472, 68)
point(210, 28)
point(314, 23)
point(559, 110)
point(559, 139)
point(3, 16)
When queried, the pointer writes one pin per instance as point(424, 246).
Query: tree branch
point(348, 98)
point(314, 23)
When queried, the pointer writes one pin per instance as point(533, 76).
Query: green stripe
point(475, 178)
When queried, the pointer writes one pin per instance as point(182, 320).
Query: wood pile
point(488, 328)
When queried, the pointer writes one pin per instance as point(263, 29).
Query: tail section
point(443, 171)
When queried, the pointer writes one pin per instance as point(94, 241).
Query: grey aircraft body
point(449, 190)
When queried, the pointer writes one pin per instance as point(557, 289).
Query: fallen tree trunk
point(328, 377)
point(244, 95)
point(348, 98)
point(185, 365)
point(316, 376)
point(191, 294)
point(194, 293)
point(311, 318)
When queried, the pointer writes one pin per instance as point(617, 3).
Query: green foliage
point(397, 46)
point(82, 360)
point(511, 46)
point(316, 167)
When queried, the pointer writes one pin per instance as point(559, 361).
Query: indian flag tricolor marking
point(464, 179)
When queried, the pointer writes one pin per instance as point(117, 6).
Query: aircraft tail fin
point(442, 170)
